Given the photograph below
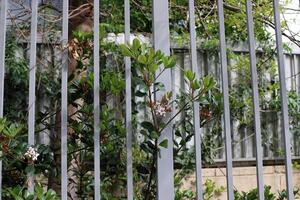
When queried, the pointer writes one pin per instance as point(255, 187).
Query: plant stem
point(181, 109)
point(156, 126)
point(147, 193)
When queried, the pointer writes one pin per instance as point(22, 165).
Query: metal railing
point(165, 171)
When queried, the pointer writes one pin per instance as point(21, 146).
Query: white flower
point(161, 109)
point(31, 154)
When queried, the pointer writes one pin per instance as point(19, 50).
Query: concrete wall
point(245, 178)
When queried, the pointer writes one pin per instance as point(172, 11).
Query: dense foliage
point(150, 115)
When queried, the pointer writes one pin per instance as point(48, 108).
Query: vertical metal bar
point(284, 102)
point(255, 99)
point(226, 115)
point(161, 38)
point(2, 53)
point(97, 99)
point(128, 105)
point(196, 106)
point(64, 103)
point(2, 69)
point(32, 78)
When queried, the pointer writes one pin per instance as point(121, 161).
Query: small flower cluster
point(31, 154)
point(161, 109)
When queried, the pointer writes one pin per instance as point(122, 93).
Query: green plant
point(211, 190)
point(21, 193)
point(146, 64)
point(20, 158)
point(269, 195)
point(253, 194)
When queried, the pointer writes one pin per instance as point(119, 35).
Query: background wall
point(245, 178)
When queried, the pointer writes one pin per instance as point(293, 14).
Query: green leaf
point(2, 124)
point(169, 62)
point(151, 54)
point(142, 59)
point(153, 68)
point(39, 191)
point(126, 51)
point(164, 143)
point(144, 132)
point(147, 147)
point(51, 195)
point(143, 88)
point(148, 126)
point(136, 44)
point(208, 83)
point(13, 130)
point(190, 75)
point(165, 61)
point(154, 135)
point(140, 93)
point(195, 85)
point(159, 54)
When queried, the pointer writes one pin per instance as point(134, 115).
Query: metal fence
point(165, 169)
point(243, 144)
